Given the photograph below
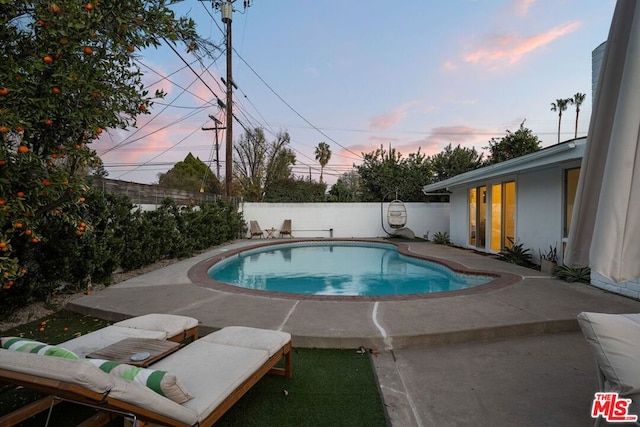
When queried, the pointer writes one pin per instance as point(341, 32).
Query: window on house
point(502, 215)
point(496, 217)
point(570, 187)
point(472, 216)
point(508, 214)
point(477, 216)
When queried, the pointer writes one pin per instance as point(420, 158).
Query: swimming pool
point(339, 269)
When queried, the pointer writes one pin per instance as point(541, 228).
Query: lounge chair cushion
point(57, 368)
point(242, 336)
point(31, 346)
point(211, 371)
point(162, 382)
point(170, 324)
point(615, 342)
point(106, 336)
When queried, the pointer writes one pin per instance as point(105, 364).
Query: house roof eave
point(569, 150)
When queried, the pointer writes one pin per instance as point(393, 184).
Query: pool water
point(338, 269)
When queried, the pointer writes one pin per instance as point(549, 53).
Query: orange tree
point(67, 72)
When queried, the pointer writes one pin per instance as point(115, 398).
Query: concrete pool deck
point(512, 355)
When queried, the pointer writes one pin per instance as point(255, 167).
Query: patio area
point(507, 356)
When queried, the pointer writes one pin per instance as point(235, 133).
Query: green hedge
point(114, 235)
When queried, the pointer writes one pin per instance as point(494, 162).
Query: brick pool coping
point(198, 274)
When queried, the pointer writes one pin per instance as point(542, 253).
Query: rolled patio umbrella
point(605, 225)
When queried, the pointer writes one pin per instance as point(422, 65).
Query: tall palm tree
point(323, 154)
point(560, 105)
point(577, 100)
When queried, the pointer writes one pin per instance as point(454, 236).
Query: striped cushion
point(31, 346)
point(163, 383)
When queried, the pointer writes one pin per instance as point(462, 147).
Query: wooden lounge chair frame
point(40, 405)
point(255, 229)
point(57, 389)
point(286, 228)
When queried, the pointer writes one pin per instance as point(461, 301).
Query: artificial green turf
point(329, 387)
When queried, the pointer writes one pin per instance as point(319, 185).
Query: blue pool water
point(338, 269)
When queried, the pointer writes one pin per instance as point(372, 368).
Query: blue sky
point(360, 74)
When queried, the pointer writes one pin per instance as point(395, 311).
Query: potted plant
point(549, 259)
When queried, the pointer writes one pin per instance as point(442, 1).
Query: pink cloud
point(500, 50)
point(521, 7)
point(430, 144)
point(385, 121)
point(449, 65)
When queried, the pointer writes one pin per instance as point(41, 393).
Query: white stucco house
point(526, 200)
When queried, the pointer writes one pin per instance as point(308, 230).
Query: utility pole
point(227, 11)
point(216, 128)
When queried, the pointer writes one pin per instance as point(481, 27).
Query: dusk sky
point(360, 74)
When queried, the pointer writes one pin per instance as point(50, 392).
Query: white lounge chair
point(216, 370)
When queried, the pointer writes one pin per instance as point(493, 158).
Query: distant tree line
point(263, 170)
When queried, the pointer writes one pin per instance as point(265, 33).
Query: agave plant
point(441, 238)
point(516, 254)
point(573, 274)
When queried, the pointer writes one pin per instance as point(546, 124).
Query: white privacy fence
point(345, 220)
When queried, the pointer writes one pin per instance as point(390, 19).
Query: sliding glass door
point(502, 209)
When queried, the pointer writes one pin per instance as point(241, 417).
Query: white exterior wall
point(459, 218)
point(539, 206)
point(346, 219)
point(539, 209)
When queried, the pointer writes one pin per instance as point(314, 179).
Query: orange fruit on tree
point(3, 245)
point(56, 90)
point(2, 202)
point(2, 163)
point(4, 91)
point(17, 225)
point(4, 129)
point(20, 194)
point(54, 8)
point(89, 7)
point(35, 240)
point(23, 149)
point(19, 128)
point(28, 232)
point(48, 122)
point(41, 23)
point(82, 224)
point(131, 48)
point(47, 59)
point(82, 199)
point(88, 51)
point(142, 107)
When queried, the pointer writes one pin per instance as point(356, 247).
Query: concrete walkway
point(507, 356)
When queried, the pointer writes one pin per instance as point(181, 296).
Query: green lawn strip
point(329, 387)
point(56, 328)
